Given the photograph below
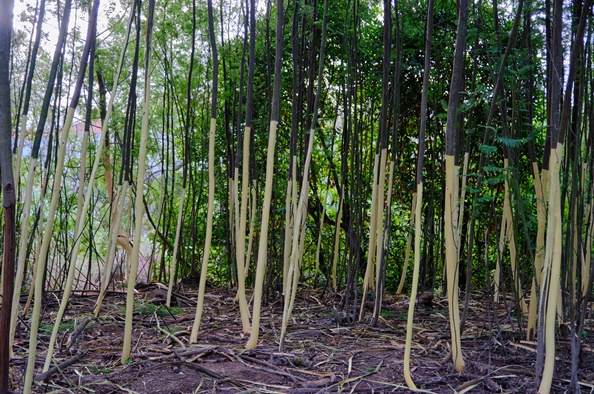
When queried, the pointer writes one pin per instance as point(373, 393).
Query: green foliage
point(514, 142)
point(98, 369)
point(387, 314)
point(65, 326)
point(488, 149)
point(346, 137)
point(161, 310)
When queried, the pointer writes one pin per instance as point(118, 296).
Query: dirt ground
point(323, 352)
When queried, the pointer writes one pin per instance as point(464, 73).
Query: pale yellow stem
point(500, 251)
point(413, 292)
point(368, 279)
point(180, 215)
point(73, 258)
point(241, 257)
point(337, 240)
point(540, 251)
point(290, 202)
point(139, 214)
point(252, 232)
point(117, 213)
point(408, 245)
point(451, 228)
point(41, 226)
point(207, 241)
point(19, 155)
point(552, 269)
point(319, 243)
point(297, 242)
point(24, 237)
point(41, 264)
point(514, 263)
point(263, 245)
point(379, 212)
point(462, 200)
point(585, 260)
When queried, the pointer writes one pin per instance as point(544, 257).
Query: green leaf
point(495, 180)
point(493, 129)
point(488, 149)
point(485, 199)
point(513, 142)
point(493, 168)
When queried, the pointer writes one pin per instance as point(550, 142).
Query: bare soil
point(323, 353)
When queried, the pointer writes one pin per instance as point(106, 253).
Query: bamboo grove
point(359, 147)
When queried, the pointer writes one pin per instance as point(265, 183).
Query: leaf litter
point(323, 352)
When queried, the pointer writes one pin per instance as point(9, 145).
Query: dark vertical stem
point(51, 80)
point(249, 104)
point(238, 152)
point(8, 192)
point(215, 62)
point(30, 71)
point(130, 119)
point(383, 145)
point(189, 123)
point(88, 126)
point(295, 108)
point(456, 84)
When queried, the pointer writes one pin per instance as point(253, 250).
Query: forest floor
point(321, 355)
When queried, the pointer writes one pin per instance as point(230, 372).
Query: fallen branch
point(78, 331)
point(168, 333)
point(46, 375)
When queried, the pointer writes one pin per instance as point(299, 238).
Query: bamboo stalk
point(139, 203)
